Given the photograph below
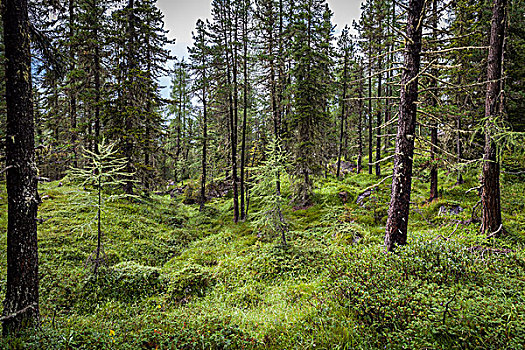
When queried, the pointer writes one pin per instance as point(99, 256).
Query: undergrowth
point(178, 278)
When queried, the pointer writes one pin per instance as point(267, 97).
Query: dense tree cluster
point(418, 77)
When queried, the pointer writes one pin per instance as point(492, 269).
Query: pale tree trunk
point(397, 223)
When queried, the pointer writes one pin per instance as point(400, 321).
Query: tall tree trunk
point(72, 88)
point(379, 122)
point(343, 115)
point(232, 116)
point(490, 195)
point(370, 118)
point(97, 93)
point(398, 212)
point(21, 297)
point(131, 66)
point(360, 125)
point(245, 104)
point(433, 103)
point(148, 174)
point(459, 148)
point(204, 135)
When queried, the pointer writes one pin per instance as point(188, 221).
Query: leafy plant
point(269, 219)
point(103, 171)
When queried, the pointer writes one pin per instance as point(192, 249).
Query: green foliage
point(432, 294)
point(177, 277)
point(269, 219)
point(193, 280)
point(104, 171)
point(126, 282)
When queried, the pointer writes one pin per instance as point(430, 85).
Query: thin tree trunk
point(379, 122)
point(128, 145)
point(204, 136)
point(490, 195)
point(99, 226)
point(21, 296)
point(370, 123)
point(245, 105)
point(433, 129)
point(233, 124)
point(360, 125)
point(398, 212)
point(343, 114)
point(72, 89)
point(97, 94)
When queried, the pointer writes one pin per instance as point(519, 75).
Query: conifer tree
point(199, 56)
point(490, 196)
point(397, 222)
point(312, 76)
point(21, 309)
point(345, 52)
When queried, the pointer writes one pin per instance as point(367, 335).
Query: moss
point(191, 281)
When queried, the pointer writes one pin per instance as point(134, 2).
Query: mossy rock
point(126, 281)
point(193, 280)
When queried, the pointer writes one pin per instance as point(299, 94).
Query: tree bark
point(398, 212)
point(360, 125)
point(232, 114)
point(490, 195)
point(131, 66)
point(72, 88)
point(245, 105)
point(21, 298)
point(379, 122)
point(343, 114)
point(370, 118)
point(433, 129)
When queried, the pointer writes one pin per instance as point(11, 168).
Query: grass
point(180, 278)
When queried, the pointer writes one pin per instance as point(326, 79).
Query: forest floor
point(178, 278)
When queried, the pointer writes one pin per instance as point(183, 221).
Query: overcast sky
point(180, 17)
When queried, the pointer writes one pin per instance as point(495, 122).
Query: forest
point(300, 186)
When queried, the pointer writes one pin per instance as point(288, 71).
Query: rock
point(344, 196)
point(346, 167)
point(452, 210)
point(362, 197)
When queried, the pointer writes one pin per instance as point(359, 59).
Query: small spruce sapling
point(269, 219)
point(102, 171)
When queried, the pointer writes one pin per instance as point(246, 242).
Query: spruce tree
point(490, 196)
point(311, 89)
point(398, 212)
point(21, 309)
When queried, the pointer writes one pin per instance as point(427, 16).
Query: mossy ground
point(176, 277)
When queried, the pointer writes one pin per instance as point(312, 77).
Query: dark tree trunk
point(459, 148)
point(433, 129)
point(379, 122)
point(204, 135)
point(21, 297)
point(397, 222)
point(97, 93)
point(490, 195)
point(343, 115)
point(128, 146)
point(360, 126)
point(232, 117)
point(245, 106)
point(370, 118)
point(72, 88)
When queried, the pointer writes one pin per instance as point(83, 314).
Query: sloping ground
point(178, 278)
